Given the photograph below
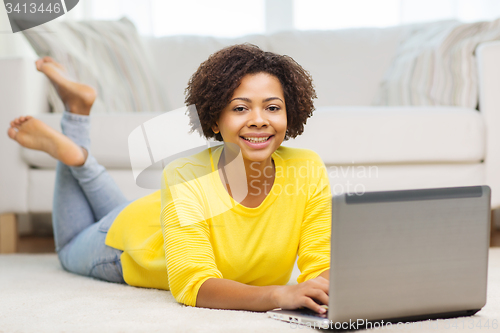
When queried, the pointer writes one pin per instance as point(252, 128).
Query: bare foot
point(32, 133)
point(77, 98)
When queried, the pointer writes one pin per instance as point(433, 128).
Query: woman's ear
point(215, 128)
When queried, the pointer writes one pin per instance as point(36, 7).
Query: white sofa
point(366, 148)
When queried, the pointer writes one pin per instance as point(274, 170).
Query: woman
point(208, 248)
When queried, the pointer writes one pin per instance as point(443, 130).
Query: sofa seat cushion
point(109, 139)
point(340, 135)
point(364, 135)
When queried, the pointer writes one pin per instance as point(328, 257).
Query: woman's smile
point(257, 140)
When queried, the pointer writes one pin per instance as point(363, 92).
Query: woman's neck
point(259, 176)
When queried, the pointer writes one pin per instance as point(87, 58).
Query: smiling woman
point(228, 224)
point(253, 101)
point(231, 225)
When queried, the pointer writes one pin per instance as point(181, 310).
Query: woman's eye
point(239, 109)
point(274, 108)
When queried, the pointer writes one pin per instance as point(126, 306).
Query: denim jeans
point(86, 202)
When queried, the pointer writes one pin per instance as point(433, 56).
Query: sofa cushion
point(176, 58)
point(108, 55)
point(337, 60)
point(340, 135)
point(359, 135)
point(109, 139)
point(346, 65)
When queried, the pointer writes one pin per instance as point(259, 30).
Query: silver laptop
point(399, 256)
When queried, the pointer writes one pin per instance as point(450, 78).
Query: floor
point(45, 244)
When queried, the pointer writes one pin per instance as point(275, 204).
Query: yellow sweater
point(192, 230)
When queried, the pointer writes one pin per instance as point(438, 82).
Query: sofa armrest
point(22, 92)
point(487, 55)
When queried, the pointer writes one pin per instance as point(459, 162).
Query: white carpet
point(37, 295)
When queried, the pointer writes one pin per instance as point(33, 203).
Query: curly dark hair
point(211, 87)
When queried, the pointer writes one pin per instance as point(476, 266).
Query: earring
point(215, 132)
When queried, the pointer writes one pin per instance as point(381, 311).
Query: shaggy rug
point(37, 295)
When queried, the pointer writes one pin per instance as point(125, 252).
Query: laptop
point(400, 256)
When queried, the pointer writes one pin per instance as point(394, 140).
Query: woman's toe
point(53, 61)
point(39, 64)
point(12, 133)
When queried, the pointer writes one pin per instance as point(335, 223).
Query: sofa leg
point(8, 233)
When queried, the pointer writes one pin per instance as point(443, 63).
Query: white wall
point(341, 14)
point(229, 18)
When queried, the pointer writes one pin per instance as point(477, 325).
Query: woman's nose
point(258, 118)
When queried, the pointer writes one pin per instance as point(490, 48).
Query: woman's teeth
point(257, 140)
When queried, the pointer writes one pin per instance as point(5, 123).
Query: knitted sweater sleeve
point(314, 244)
point(189, 254)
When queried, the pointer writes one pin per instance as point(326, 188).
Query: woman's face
point(255, 118)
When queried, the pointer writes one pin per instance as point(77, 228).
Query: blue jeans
point(86, 202)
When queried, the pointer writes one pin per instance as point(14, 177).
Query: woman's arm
point(227, 294)
point(326, 274)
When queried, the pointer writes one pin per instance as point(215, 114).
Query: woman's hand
point(306, 294)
